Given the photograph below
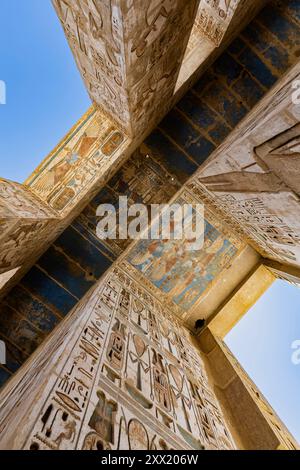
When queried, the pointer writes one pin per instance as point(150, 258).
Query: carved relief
point(129, 53)
point(254, 179)
point(115, 386)
point(93, 442)
point(281, 156)
point(137, 436)
point(116, 346)
point(213, 18)
point(77, 163)
point(138, 370)
point(68, 401)
point(160, 381)
point(103, 419)
point(26, 223)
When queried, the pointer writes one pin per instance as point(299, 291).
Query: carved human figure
point(70, 159)
point(279, 160)
point(56, 427)
point(116, 346)
point(103, 418)
point(160, 381)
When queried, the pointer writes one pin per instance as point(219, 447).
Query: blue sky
point(45, 93)
point(45, 97)
point(262, 340)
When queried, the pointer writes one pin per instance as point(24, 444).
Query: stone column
point(120, 372)
point(253, 422)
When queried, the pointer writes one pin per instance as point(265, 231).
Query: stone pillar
point(253, 422)
point(120, 372)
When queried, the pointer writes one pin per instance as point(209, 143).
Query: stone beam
point(214, 17)
point(87, 156)
point(211, 34)
point(25, 222)
point(241, 300)
point(95, 148)
point(283, 271)
point(70, 176)
point(129, 53)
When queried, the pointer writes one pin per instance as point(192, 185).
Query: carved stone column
point(120, 372)
point(254, 424)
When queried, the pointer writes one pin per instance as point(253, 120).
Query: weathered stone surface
point(121, 370)
point(254, 423)
point(79, 162)
point(25, 222)
point(125, 376)
point(129, 53)
point(254, 175)
point(213, 18)
point(172, 153)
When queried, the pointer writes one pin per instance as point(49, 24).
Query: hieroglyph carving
point(129, 378)
point(129, 53)
point(213, 18)
point(254, 176)
point(78, 162)
point(25, 223)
